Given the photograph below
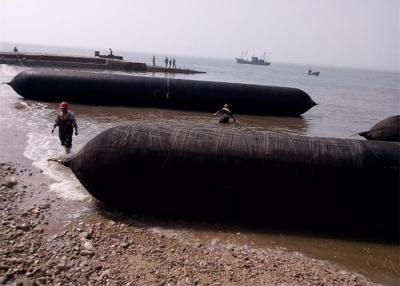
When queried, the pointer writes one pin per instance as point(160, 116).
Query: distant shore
point(84, 62)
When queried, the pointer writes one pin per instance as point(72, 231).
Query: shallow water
point(350, 101)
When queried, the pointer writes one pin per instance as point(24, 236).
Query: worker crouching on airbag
point(225, 113)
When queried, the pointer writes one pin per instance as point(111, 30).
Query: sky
point(349, 33)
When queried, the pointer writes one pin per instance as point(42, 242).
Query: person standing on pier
point(111, 52)
point(15, 50)
point(226, 114)
point(174, 63)
point(170, 63)
point(154, 61)
point(66, 123)
point(166, 62)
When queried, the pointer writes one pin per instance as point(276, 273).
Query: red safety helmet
point(63, 105)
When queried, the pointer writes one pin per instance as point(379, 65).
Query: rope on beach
point(55, 160)
point(52, 160)
point(353, 135)
point(20, 62)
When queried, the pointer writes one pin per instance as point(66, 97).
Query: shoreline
point(42, 245)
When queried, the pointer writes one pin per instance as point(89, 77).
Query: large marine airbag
point(126, 90)
point(256, 177)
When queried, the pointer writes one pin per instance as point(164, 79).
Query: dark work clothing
point(225, 115)
point(66, 124)
point(66, 137)
point(224, 118)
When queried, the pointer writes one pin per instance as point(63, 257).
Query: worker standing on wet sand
point(66, 123)
point(225, 113)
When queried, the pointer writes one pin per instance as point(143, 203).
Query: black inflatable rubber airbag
point(113, 89)
point(385, 130)
point(256, 177)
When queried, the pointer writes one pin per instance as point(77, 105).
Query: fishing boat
point(310, 72)
point(253, 61)
point(109, 56)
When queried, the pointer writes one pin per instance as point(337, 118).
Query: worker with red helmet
point(66, 123)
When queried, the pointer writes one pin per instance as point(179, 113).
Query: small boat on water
point(109, 56)
point(310, 72)
point(253, 61)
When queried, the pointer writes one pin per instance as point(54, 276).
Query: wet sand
point(41, 246)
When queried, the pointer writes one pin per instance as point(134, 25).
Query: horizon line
point(365, 68)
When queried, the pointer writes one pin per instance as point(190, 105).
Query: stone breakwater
point(114, 63)
point(38, 246)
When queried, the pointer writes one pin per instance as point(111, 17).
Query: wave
point(39, 149)
point(8, 71)
point(42, 145)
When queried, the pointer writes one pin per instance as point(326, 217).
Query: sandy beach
point(41, 245)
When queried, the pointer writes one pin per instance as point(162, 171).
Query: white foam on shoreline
point(7, 72)
point(41, 147)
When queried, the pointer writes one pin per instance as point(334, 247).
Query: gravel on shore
point(101, 250)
